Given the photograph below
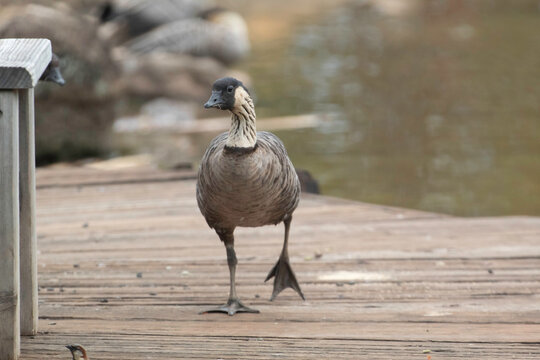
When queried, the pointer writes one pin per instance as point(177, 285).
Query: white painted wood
point(27, 200)
point(22, 61)
point(9, 226)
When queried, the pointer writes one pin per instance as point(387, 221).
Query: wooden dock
point(126, 262)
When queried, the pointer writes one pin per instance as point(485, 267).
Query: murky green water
point(436, 108)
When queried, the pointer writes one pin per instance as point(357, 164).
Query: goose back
point(248, 189)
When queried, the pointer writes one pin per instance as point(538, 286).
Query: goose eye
point(230, 89)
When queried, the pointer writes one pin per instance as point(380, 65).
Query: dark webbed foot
point(232, 307)
point(283, 278)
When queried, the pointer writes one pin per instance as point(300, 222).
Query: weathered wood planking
point(9, 225)
point(193, 347)
point(80, 177)
point(380, 282)
point(22, 61)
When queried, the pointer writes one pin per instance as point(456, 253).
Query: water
point(436, 105)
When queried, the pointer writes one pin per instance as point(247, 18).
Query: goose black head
point(77, 352)
point(52, 72)
point(224, 93)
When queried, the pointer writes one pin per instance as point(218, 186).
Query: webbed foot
point(232, 307)
point(283, 278)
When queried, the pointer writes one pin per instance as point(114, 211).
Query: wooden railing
point(22, 61)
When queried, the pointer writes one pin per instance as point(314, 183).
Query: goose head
point(77, 352)
point(52, 72)
point(228, 94)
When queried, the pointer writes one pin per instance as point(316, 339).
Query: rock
point(141, 16)
point(307, 182)
point(218, 33)
point(181, 77)
point(160, 113)
point(75, 120)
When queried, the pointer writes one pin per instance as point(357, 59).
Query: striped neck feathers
point(243, 131)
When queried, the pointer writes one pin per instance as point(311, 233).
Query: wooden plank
point(112, 346)
point(27, 199)
point(246, 326)
point(9, 226)
point(22, 61)
point(83, 176)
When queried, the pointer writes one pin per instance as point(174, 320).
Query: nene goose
point(78, 352)
point(52, 72)
point(246, 179)
point(218, 33)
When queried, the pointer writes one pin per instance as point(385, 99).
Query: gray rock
point(75, 120)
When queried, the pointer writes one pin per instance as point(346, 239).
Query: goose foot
point(232, 307)
point(283, 278)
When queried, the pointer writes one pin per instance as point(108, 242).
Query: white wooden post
point(22, 61)
point(27, 199)
point(9, 225)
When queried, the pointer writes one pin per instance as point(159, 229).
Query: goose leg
point(233, 305)
point(282, 272)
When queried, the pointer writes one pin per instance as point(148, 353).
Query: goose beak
point(55, 76)
point(215, 100)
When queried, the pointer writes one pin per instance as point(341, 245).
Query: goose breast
point(253, 189)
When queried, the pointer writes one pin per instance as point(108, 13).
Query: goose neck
point(243, 131)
